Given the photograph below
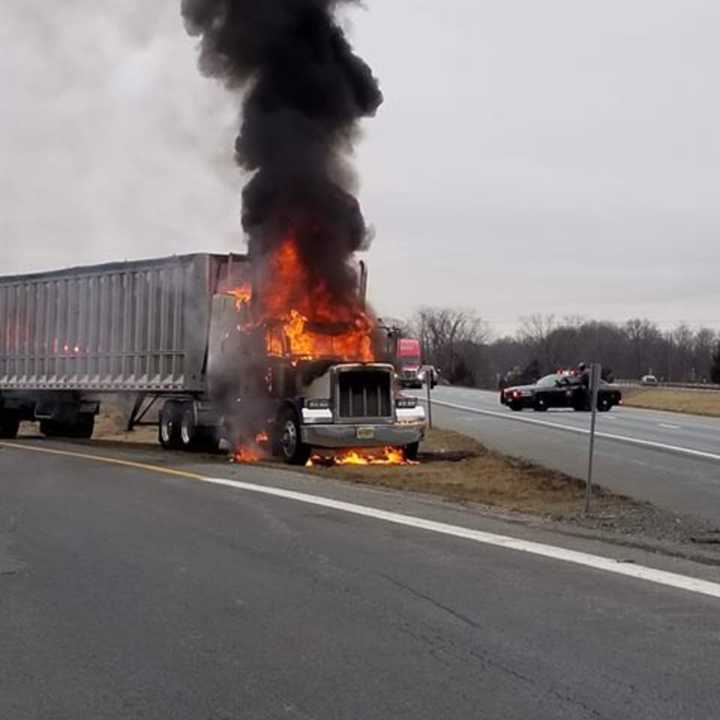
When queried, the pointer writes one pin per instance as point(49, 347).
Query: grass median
point(691, 402)
point(460, 469)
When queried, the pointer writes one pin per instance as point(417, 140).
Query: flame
point(245, 454)
point(251, 452)
point(242, 295)
point(302, 318)
point(385, 456)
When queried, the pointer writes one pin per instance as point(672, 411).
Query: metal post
point(595, 375)
point(428, 385)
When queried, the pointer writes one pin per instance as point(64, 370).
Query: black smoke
point(305, 92)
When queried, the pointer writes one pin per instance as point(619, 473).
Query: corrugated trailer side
point(136, 326)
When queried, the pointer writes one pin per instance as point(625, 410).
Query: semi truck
point(169, 335)
point(405, 354)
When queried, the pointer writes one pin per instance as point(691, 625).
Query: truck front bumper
point(352, 436)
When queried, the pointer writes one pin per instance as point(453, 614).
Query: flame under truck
point(167, 334)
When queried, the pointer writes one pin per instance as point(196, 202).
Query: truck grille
point(365, 394)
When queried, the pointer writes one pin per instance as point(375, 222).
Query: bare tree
point(450, 339)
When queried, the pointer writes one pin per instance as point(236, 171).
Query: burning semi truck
point(275, 347)
point(217, 343)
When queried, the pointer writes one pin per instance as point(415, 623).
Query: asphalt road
point(129, 594)
point(670, 459)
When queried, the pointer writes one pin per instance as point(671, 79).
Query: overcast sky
point(557, 157)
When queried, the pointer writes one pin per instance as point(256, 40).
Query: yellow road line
point(105, 459)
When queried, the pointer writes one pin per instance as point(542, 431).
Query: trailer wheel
point(169, 428)
point(188, 430)
point(293, 450)
point(9, 424)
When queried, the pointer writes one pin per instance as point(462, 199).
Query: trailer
point(163, 332)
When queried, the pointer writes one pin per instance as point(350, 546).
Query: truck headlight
point(411, 415)
point(317, 404)
point(405, 402)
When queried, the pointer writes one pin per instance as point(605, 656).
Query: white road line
point(596, 562)
point(583, 431)
point(669, 427)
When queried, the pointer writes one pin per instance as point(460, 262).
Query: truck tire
point(9, 424)
point(50, 428)
point(169, 427)
point(411, 451)
point(189, 436)
point(515, 406)
point(83, 427)
point(604, 404)
point(292, 449)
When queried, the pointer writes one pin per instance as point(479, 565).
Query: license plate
point(365, 433)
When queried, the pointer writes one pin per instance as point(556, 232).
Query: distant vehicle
point(649, 380)
point(559, 390)
point(409, 368)
point(428, 374)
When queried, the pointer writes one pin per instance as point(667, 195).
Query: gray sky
point(558, 156)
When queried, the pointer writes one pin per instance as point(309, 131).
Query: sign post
point(428, 370)
point(595, 376)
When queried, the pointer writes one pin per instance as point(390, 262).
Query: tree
point(450, 340)
point(702, 352)
point(715, 367)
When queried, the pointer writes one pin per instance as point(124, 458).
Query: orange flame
point(249, 452)
point(303, 320)
point(245, 454)
point(242, 295)
point(385, 456)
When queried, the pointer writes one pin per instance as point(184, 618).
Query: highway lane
point(126, 594)
point(688, 431)
point(662, 473)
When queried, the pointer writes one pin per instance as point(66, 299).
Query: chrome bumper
point(346, 436)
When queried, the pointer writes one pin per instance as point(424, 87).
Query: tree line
point(461, 345)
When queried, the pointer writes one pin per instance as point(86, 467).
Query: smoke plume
point(305, 92)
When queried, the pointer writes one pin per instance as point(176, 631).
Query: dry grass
point(693, 402)
point(111, 424)
point(460, 469)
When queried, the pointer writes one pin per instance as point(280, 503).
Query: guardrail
point(699, 387)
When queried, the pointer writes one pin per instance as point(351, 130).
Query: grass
point(693, 402)
point(460, 469)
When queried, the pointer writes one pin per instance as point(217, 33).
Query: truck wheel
point(169, 428)
point(188, 430)
point(516, 406)
point(411, 451)
point(9, 424)
point(50, 428)
point(292, 449)
point(83, 427)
